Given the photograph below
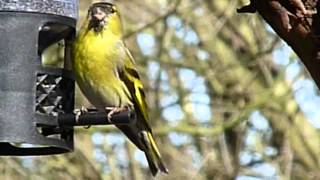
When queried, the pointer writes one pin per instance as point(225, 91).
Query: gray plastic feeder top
point(68, 8)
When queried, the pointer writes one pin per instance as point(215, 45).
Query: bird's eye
point(113, 9)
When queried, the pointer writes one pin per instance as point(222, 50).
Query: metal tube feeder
point(31, 95)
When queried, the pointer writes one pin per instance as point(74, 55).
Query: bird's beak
point(99, 16)
point(97, 22)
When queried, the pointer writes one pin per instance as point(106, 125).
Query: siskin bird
point(105, 72)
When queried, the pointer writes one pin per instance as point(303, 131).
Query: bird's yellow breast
point(95, 54)
point(97, 58)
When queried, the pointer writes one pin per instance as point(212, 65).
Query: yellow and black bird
point(105, 72)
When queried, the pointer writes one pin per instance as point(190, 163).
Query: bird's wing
point(131, 78)
point(144, 138)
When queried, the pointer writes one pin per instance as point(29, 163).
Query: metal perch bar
point(97, 118)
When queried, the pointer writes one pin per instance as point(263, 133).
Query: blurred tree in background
point(222, 92)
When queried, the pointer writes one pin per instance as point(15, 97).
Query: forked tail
point(153, 155)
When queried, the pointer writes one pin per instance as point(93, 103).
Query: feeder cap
point(68, 8)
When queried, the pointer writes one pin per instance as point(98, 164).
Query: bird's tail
point(153, 155)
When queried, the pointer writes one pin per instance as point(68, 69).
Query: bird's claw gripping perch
point(78, 113)
point(114, 110)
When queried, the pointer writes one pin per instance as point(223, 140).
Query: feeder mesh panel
point(49, 95)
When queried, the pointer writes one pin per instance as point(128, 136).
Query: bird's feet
point(115, 110)
point(78, 113)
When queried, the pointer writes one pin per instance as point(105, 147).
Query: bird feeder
point(31, 95)
point(37, 101)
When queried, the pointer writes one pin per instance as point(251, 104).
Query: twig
point(156, 20)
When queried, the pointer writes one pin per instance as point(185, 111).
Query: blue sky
point(304, 88)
